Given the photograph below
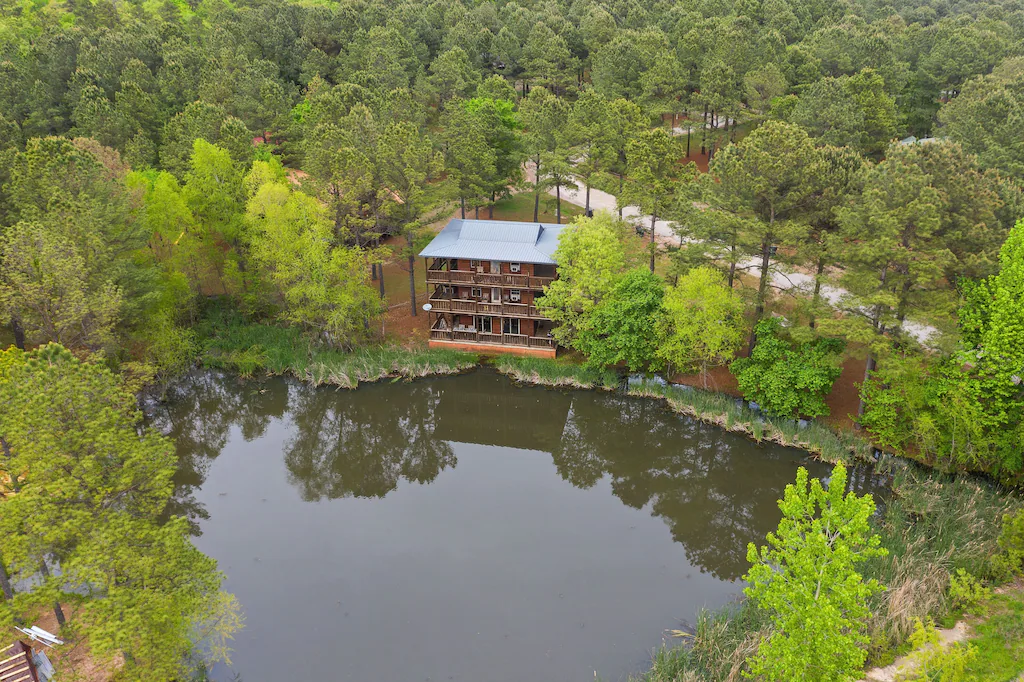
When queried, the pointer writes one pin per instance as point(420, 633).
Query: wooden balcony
point(460, 305)
point(496, 339)
point(438, 276)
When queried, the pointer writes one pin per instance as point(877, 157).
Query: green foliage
point(785, 379)
point(321, 287)
point(230, 342)
point(966, 591)
point(620, 328)
point(964, 410)
point(92, 485)
point(703, 323)
point(807, 578)
point(934, 662)
point(1010, 560)
point(592, 255)
point(998, 639)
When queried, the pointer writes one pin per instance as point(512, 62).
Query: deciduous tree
point(806, 578)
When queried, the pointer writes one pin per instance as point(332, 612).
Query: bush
point(966, 591)
point(1010, 560)
point(935, 663)
point(788, 380)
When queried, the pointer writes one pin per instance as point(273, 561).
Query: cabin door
point(495, 295)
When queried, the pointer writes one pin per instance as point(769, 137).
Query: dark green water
point(463, 528)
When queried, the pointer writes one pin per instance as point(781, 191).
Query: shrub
point(788, 380)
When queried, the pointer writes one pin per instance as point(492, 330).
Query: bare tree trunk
point(5, 581)
point(732, 259)
point(653, 246)
point(412, 280)
point(19, 333)
point(536, 189)
point(762, 289)
point(476, 211)
point(462, 205)
point(57, 610)
point(558, 203)
point(490, 209)
point(689, 134)
point(586, 209)
point(380, 281)
point(869, 367)
point(373, 272)
point(618, 199)
point(704, 131)
point(817, 289)
point(15, 477)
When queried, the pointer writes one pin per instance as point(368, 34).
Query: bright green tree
point(94, 485)
point(322, 287)
point(966, 409)
point(987, 115)
point(592, 255)
point(806, 578)
point(654, 168)
point(408, 165)
point(501, 127)
point(469, 160)
point(703, 323)
point(452, 75)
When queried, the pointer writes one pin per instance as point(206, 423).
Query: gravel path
point(793, 282)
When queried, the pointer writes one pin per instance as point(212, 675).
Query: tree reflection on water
point(715, 490)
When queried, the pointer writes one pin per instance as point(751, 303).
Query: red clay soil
point(71, 659)
point(842, 401)
point(700, 159)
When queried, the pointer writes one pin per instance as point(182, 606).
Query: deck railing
point(460, 305)
point(487, 279)
point(497, 339)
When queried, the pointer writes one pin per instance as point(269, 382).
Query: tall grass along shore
point(249, 349)
point(555, 373)
point(933, 525)
point(732, 414)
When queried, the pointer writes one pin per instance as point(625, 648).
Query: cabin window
point(515, 267)
point(474, 264)
point(446, 290)
point(475, 292)
point(515, 295)
point(485, 325)
point(510, 325)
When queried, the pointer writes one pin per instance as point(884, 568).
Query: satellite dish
point(427, 306)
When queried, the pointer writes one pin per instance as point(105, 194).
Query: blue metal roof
point(500, 240)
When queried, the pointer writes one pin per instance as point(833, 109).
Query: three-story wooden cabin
point(484, 277)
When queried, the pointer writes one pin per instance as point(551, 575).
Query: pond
point(463, 528)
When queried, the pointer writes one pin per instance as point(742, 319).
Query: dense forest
point(262, 160)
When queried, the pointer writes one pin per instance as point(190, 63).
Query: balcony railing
point(437, 276)
point(497, 339)
point(459, 305)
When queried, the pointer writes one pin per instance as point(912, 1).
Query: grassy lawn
point(999, 638)
point(520, 207)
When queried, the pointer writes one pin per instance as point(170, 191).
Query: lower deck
point(487, 334)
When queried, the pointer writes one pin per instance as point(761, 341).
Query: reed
point(733, 414)
point(556, 373)
point(249, 349)
point(932, 525)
